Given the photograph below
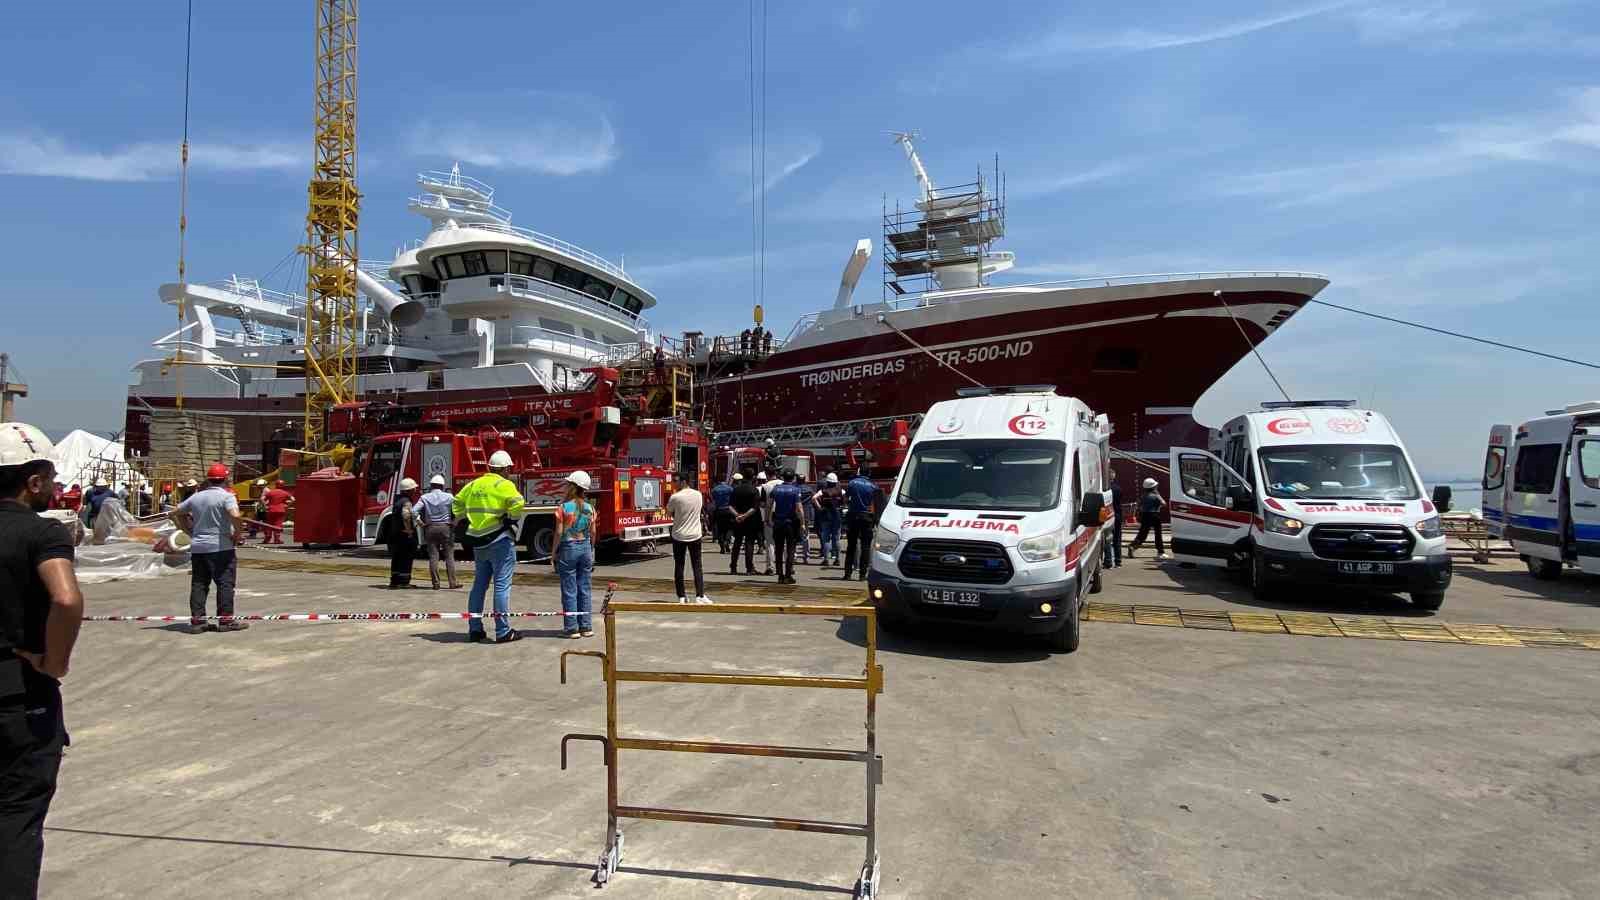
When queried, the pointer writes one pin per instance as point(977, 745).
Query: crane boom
point(334, 206)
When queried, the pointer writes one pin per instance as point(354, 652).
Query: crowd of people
point(778, 515)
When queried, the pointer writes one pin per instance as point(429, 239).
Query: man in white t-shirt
point(768, 485)
point(685, 506)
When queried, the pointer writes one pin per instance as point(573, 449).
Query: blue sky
point(1437, 158)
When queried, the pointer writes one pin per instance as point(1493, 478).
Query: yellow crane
point(332, 320)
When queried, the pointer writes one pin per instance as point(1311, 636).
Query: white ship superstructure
point(476, 307)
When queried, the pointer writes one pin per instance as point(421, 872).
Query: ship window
point(544, 268)
point(570, 277)
point(413, 284)
point(521, 264)
point(496, 261)
point(454, 267)
point(429, 285)
point(475, 262)
point(458, 326)
point(590, 335)
point(556, 325)
point(594, 287)
point(627, 301)
point(1116, 359)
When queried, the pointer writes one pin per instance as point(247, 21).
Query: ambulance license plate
point(944, 597)
point(1366, 568)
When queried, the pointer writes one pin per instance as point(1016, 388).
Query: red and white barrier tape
point(336, 617)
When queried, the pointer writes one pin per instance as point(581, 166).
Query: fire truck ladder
point(821, 436)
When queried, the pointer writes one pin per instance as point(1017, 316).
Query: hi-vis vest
point(486, 502)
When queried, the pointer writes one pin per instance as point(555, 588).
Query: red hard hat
point(217, 470)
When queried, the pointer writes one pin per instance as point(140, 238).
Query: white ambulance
point(1541, 489)
point(996, 518)
point(1309, 492)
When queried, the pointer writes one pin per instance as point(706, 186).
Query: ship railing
point(532, 337)
point(456, 180)
point(802, 325)
point(250, 287)
point(458, 205)
point(527, 285)
point(914, 299)
point(556, 244)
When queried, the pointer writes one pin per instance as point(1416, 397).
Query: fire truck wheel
point(542, 540)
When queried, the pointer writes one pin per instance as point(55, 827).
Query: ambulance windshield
point(1338, 472)
point(1024, 476)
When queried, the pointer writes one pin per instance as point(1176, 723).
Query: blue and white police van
point(1541, 489)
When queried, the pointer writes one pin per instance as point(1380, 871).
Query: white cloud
point(1503, 25)
point(785, 156)
point(1569, 136)
point(1041, 186)
point(549, 147)
point(52, 157)
point(1074, 39)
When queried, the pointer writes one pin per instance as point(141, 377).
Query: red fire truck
point(548, 437)
point(676, 445)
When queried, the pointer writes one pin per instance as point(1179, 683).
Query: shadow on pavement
point(507, 860)
point(1571, 588)
point(1338, 600)
point(948, 642)
point(460, 637)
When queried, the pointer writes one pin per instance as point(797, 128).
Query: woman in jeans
point(574, 556)
point(829, 500)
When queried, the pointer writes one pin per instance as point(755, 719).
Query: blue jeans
point(498, 561)
point(828, 529)
point(575, 564)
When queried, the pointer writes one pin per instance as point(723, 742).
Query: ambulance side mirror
point(1441, 497)
point(1089, 510)
point(1240, 497)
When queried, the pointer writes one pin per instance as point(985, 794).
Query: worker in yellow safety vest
point(492, 506)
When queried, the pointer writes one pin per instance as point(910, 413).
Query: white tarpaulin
point(80, 456)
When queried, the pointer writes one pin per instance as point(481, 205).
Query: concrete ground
point(395, 759)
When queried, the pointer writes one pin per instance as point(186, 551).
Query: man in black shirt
point(746, 524)
point(41, 610)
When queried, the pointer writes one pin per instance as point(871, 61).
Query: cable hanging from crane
point(183, 205)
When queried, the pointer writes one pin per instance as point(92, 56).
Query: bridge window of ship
point(458, 326)
point(521, 263)
point(557, 325)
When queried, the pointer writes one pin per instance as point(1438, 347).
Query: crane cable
point(883, 319)
point(1253, 348)
point(183, 201)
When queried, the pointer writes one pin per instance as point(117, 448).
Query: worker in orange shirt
point(277, 500)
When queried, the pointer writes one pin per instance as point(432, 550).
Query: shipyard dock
point(1196, 745)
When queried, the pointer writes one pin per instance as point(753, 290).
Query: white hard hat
point(580, 478)
point(261, 482)
point(500, 460)
point(407, 484)
point(738, 476)
point(833, 477)
point(100, 482)
point(436, 480)
point(22, 444)
point(190, 483)
point(761, 476)
point(1149, 483)
point(770, 442)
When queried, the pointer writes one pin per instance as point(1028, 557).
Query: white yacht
point(478, 308)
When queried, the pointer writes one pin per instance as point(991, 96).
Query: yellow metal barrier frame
point(871, 682)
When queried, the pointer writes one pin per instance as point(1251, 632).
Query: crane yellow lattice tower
point(331, 253)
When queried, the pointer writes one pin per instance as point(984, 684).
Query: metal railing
point(456, 180)
point(250, 287)
point(869, 682)
point(915, 299)
point(529, 336)
point(456, 205)
point(556, 244)
point(527, 285)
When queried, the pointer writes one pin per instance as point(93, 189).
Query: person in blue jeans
point(491, 504)
point(829, 502)
point(574, 556)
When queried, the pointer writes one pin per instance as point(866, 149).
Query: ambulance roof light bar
point(1005, 389)
point(1585, 407)
point(1306, 404)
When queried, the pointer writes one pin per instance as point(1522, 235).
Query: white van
point(1309, 492)
point(996, 519)
point(1547, 495)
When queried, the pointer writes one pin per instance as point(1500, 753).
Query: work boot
point(198, 627)
point(233, 625)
